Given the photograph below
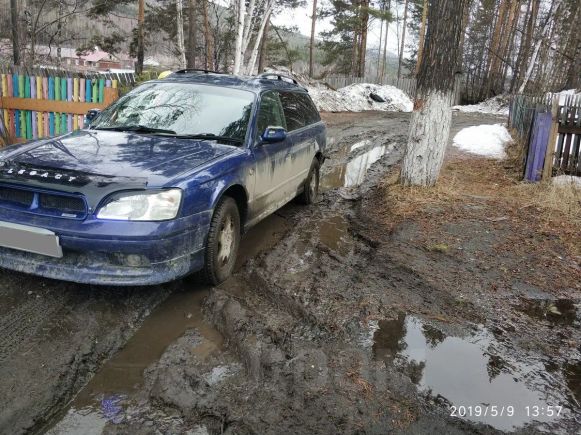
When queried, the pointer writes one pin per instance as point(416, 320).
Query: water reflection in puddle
point(104, 398)
point(353, 172)
point(465, 372)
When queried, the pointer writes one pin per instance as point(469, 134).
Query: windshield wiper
point(137, 129)
point(210, 136)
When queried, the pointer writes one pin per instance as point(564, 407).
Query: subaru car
point(162, 183)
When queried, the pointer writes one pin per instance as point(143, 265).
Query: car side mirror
point(273, 134)
point(91, 115)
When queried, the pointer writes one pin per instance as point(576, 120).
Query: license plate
point(30, 239)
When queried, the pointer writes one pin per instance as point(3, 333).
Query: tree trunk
point(239, 36)
point(312, 43)
point(525, 45)
point(422, 37)
point(384, 62)
point(263, 48)
point(248, 26)
point(254, 55)
point(191, 53)
point(363, 43)
point(380, 42)
point(208, 38)
point(432, 116)
point(180, 32)
point(15, 32)
point(140, 37)
point(405, 17)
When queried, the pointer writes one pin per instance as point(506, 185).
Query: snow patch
point(494, 106)
point(356, 98)
point(484, 140)
point(567, 180)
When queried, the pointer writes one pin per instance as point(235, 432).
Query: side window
point(270, 113)
point(308, 108)
point(293, 112)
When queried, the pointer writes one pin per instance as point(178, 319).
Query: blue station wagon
point(162, 183)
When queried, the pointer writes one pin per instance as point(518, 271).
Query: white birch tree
point(432, 115)
point(238, 55)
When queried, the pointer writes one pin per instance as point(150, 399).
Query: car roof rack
point(280, 77)
point(196, 70)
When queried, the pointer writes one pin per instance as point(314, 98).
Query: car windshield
point(181, 109)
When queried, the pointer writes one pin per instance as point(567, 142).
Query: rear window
point(293, 111)
point(308, 108)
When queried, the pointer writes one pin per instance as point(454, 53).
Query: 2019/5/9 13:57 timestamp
point(504, 411)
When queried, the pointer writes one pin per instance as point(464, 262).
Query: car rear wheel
point(223, 242)
point(311, 189)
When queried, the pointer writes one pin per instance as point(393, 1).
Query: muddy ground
point(341, 318)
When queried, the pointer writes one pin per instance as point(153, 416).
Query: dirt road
point(328, 326)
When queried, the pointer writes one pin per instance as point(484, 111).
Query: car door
point(300, 116)
point(272, 160)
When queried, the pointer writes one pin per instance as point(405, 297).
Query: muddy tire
point(311, 189)
point(223, 242)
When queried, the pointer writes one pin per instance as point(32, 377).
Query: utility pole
point(15, 34)
point(313, 23)
point(140, 36)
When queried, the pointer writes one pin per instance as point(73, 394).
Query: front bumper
point(115, 253)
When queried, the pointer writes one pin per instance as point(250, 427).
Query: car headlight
point(142, 206)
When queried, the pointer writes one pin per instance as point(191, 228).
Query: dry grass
point(549, 208)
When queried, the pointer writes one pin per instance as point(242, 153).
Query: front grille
point(64, 204)
point(51, 204)
point(16, 196)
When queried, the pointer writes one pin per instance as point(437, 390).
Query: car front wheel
point(223, 242)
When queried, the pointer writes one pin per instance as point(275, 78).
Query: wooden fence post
point(548, 166)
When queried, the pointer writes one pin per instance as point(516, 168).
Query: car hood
point(153, 159)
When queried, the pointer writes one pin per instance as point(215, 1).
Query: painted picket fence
point(549, 127)
point(35, 106)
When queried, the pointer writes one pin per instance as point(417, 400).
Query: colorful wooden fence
point(35, 106)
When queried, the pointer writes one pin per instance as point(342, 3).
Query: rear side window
point(293, 111)
point(270, 113)
point(308, 108)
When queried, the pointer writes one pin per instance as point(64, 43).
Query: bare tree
point(180, 32)
point(241, 8)
point(405, 16)
point(191, 51)
point(207, 37)
point(432, 116)
point(312, 43)
point(422, 36)
point(15, 35)
point(140, 36)
point(552, 12)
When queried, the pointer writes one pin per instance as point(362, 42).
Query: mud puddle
point(105, 397)
point(562, 312)
point(471, 375)
point(352, 173)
